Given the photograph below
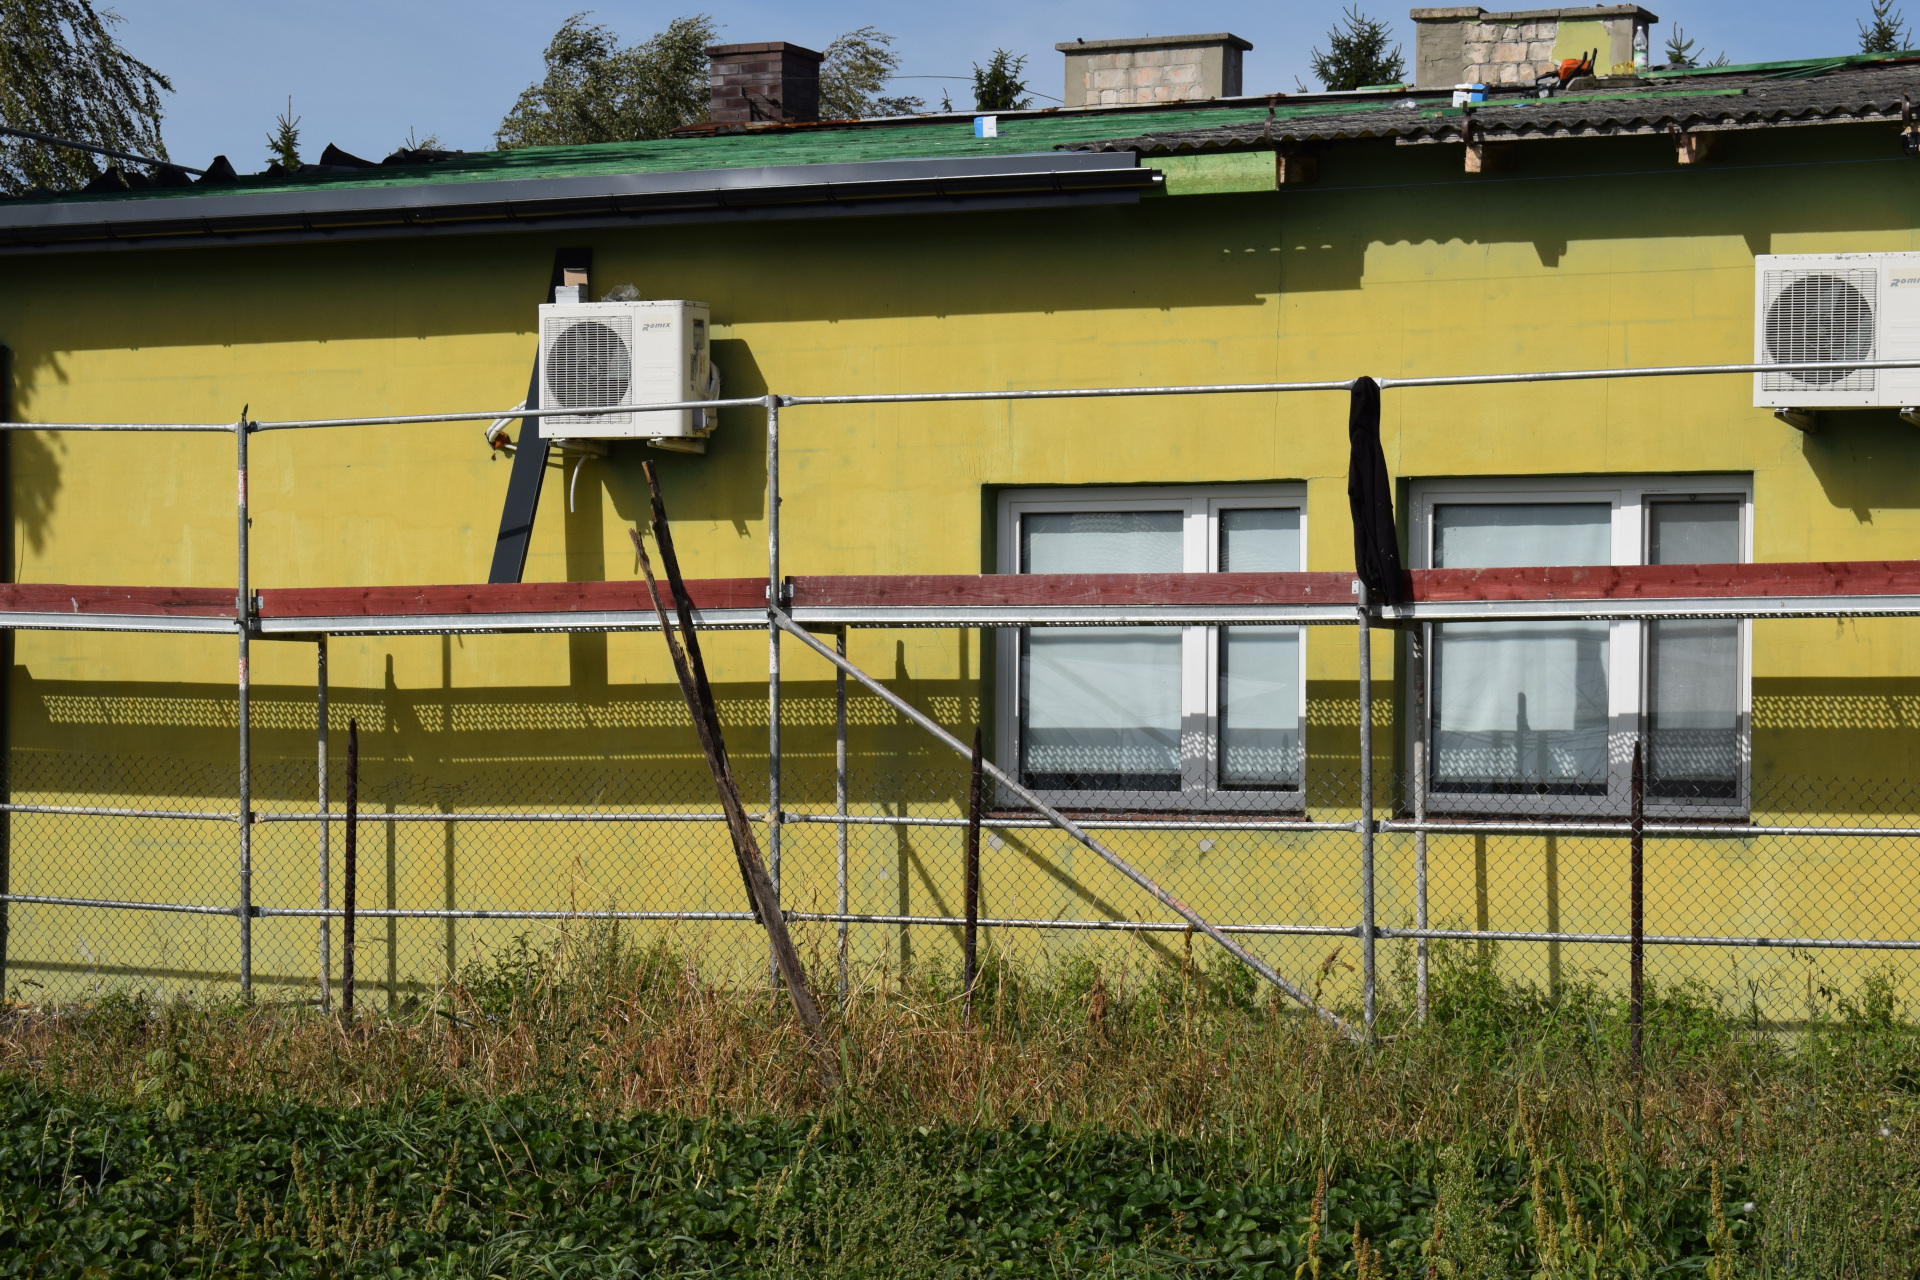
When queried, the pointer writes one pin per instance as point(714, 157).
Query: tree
point(857, 66)
point(1681, 53)
point(1357, 54)
point(597, 91)
point(999, 87)
point(1888, 32)
point(283, 144)
point(62, 73)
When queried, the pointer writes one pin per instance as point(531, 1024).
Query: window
point(1541, 716)
point(1154, 717)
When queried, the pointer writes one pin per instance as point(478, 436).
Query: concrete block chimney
point(767, 81)
point(1106, 73)
point(1469, 45)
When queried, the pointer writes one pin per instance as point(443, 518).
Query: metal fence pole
point(1367, 924)
point(1636, 955)
point(326, 835)
point(840, 800)
point(773, 660)
point(244, 616)
point(1417, 673)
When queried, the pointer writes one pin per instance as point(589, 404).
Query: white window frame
point(1200, 505)
point(1627, 674)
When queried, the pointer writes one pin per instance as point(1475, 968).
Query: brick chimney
point(771, 80)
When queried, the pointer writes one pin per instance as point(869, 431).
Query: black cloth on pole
point(1376, 544)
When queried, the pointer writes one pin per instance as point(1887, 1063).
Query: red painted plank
point(1028, 589)
point(503, 598)
point(177, 602)
point(1670, 582)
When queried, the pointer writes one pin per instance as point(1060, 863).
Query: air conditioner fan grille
point(1820, 315)
point(589, 363)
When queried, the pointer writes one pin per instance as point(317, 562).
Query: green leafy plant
point(62, 73)
point(998, 86)
point(1357, 54)
point(596, 90)
point(857, 66)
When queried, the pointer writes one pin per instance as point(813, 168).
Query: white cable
point(498, 428)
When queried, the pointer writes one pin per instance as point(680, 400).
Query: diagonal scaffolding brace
point(1067, 825)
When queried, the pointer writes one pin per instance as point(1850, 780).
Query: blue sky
point(362, 72)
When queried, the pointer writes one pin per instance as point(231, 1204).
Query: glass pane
point(1501, 535)
point(1101, 542)
point(1520, 706)
point(1260, 708)
point(1100, 710)
point(1693, 533)
point(1693, 666)
point(1260, 666)
point(1260, 541)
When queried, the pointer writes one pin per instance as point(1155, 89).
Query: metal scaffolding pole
point(244, 617)
point(773, 660)
point(1367, 935)
point(1417, 679)
point(326, 833)
point(840, 802)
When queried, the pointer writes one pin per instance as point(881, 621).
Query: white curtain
point(1520, 706)
point(1100, 709)
point(1260, 666)
point(1693, 665)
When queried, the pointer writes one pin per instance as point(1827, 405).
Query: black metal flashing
point(787, 191)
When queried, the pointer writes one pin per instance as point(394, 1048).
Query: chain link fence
point(612, 813)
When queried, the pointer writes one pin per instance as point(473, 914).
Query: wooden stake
point(692, 673)
point(971, 967)
point(352, 868)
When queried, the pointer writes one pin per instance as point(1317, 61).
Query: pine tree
point(283, 144)
point(997, 86)
point(856, 67)
point(597, 91)
point(1680, 49)
point(1357, 54)
point(1888, 32)
point(62, 73)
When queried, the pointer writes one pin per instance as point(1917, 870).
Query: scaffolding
point(805, 608)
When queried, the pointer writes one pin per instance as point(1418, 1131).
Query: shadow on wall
point(727, 483)
point(1865, 459)
point(34, 463)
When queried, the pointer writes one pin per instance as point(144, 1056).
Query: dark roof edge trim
point(903, 206)
point(509, 202)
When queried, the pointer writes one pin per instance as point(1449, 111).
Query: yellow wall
point(1395, 263)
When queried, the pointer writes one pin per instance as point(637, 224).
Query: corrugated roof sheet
point(1840, 91)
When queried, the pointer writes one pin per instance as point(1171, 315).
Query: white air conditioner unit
point(595, 354)
point(1836, 306)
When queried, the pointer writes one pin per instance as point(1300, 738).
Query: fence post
point(975, 784)
point(1636, 955)
point(840, 802)
point(243, 614)
point(1367, 925)
point(1417, 673)
point(773, 663)
point(349, 891)
point(326, 836)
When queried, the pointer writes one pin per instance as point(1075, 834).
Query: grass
point(600, 1108)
